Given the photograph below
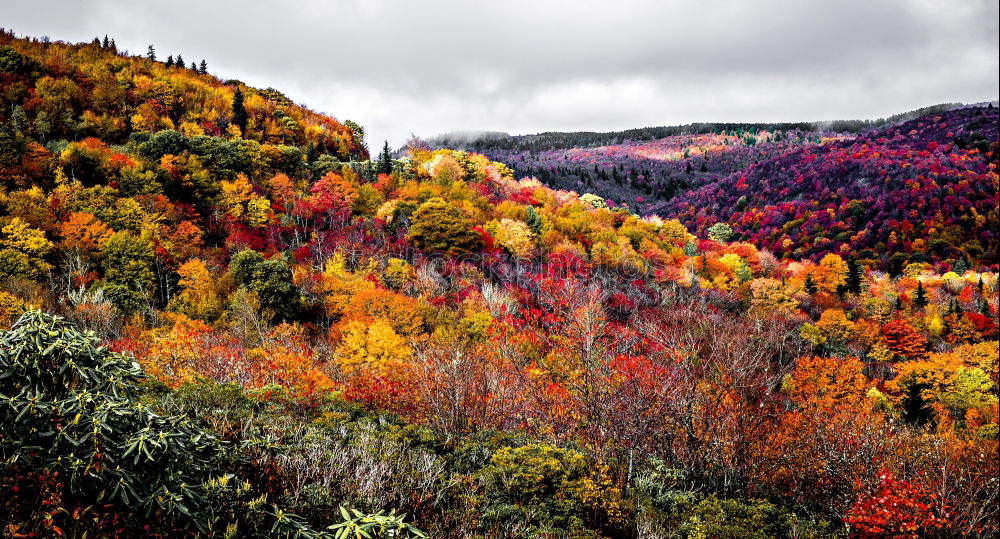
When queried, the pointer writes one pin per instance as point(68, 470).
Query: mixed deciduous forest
point(221, 316)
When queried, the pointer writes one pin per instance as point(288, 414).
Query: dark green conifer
point(311, 153)
point(855, 275)
point(961, 266)
point(239, 111)
point(385, 160)
point(810, 285)
point(921, 298)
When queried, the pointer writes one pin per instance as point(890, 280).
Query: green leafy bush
point(67, 406)
point(539, 489)
point(83, 454)
point(439, 226)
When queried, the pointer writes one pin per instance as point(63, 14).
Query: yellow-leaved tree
point(21, 250)
point(516, 236)
point(198, 298)
point(375, 346)
point(242, 204)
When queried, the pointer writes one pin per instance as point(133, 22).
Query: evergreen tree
point(105, 44)
point(899, 303)
point(533, 220)
point(194, 66)
point(203, 67)
point(151, 53)
point(810, 285)
point(180, 61)
point(170, 61)
point(961, 266)
point(311, 153)
point(239, 111)
point(921, 299)
point(385, 160)
point(854, 276)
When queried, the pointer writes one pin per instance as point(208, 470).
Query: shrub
point(439, 226)
point(69, 410)
point(539, 489)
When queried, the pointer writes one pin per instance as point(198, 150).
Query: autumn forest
point(223, 314)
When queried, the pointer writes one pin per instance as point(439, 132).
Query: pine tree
point(899, 303)
point(105, 44)
point(854, 276)
point(239, 111)
point(385, 160)
point(170, 61)
point(194, 66)
point(151, 53)
point(311, 153)
point(203, 67)
point(533, 219)
point(180, 61)
point(810, 285)
point(921, 299)
point(961, 266)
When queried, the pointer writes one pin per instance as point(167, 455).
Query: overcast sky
point(428, 67)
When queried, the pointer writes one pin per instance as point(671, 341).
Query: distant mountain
point(489, 142)
point(646, 175)
point(925, 189)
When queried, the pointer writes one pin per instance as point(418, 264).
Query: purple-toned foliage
point(926, 188)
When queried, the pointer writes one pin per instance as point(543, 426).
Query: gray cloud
point(521, 66)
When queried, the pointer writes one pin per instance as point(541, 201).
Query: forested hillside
point(645, 176)
point(924, 190)
point(219, 317)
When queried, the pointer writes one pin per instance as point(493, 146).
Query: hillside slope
point(924, 190)
point(54, 93)
point(252, 331)
point(644, 176)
